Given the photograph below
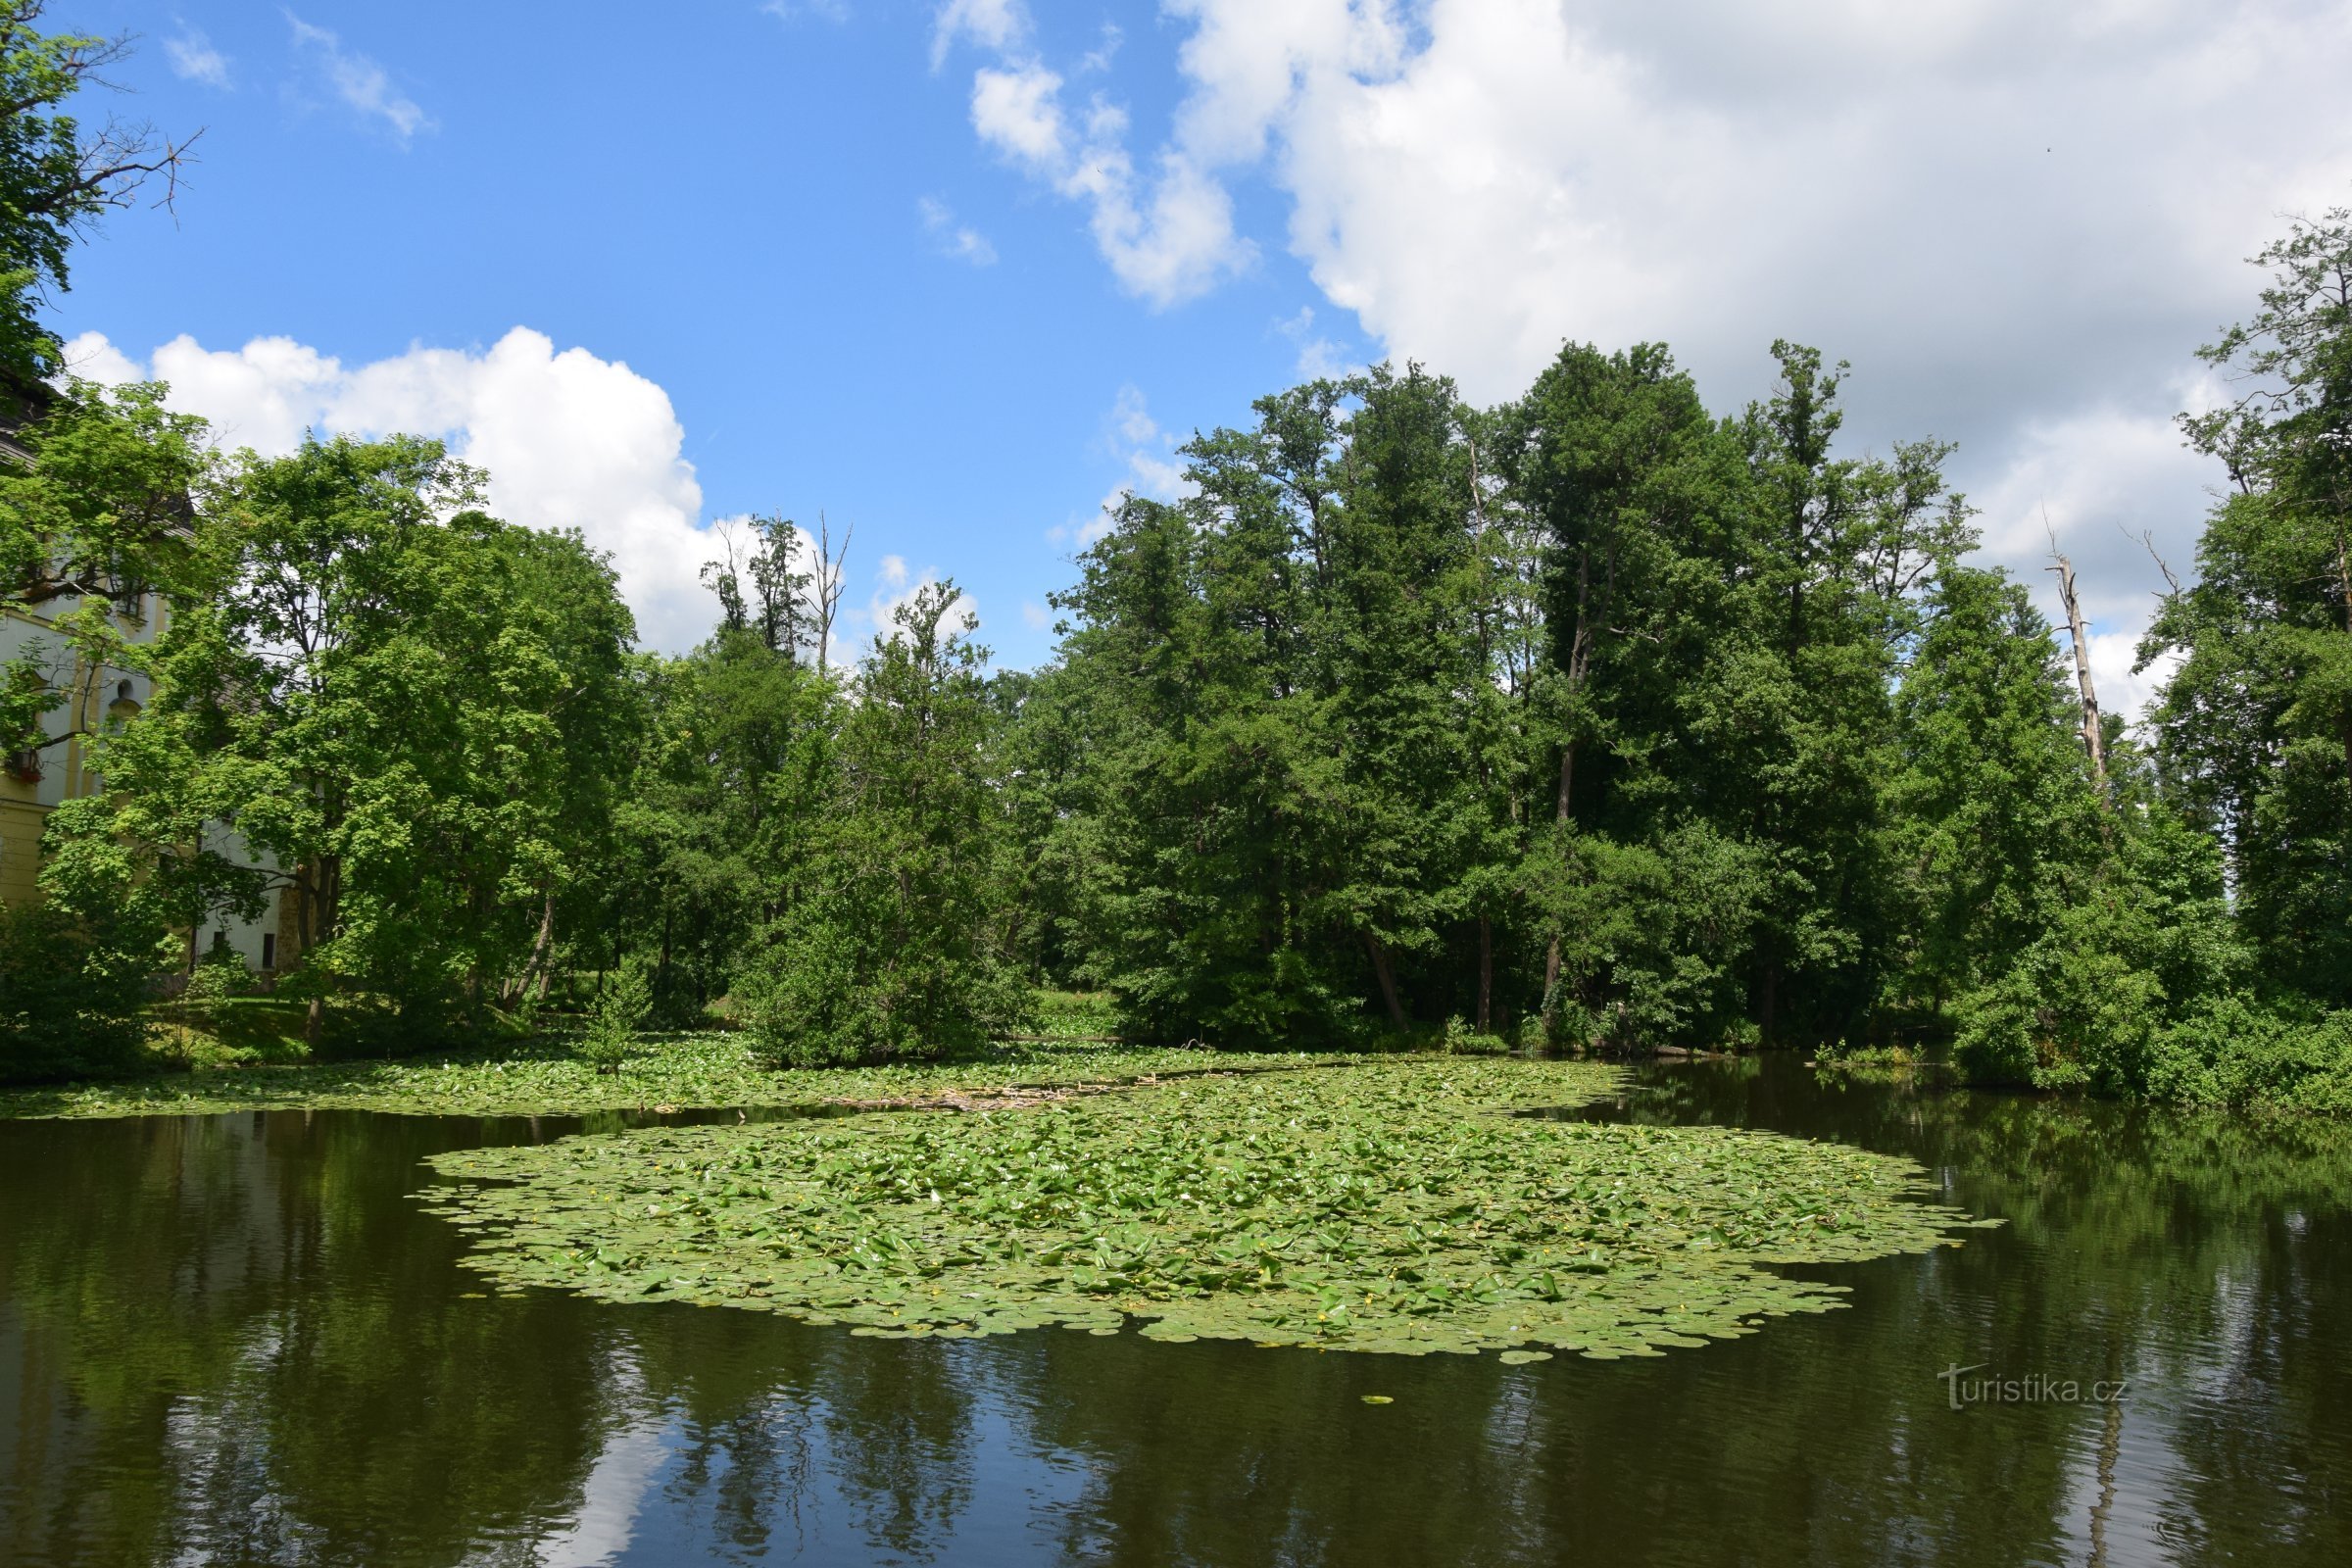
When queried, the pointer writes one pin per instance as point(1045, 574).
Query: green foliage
point(889, 947)
point(2254, 730)
point(91, 518)
point(1382, 1207)
point(2234, 1052)
point(1462, 1040)
point(1590, 720)
point(55, 176)
point(70, 998)
point(1074, 1014)
point(415, 712)
point(609, 1035)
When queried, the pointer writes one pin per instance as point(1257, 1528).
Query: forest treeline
point(1596, 719)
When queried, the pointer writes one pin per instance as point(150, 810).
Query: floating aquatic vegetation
point(685, 1072)
point(1387, 1206)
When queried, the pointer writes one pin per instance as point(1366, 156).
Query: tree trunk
point(2093, 739)
point(1579, 654)
point(2343, 581)
point(1486, 975)
point(1387, 980)
point(535, 971)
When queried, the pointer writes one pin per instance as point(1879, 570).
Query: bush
point(2070, 1012)
point(69, 999)
point(2235, 1052)
point(614, 1017)
point(1463, 1040)
point(836, 989)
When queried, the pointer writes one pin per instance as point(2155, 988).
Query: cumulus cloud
point(1147, 455)
point(999, 24)
point(2015, 219)
point(1320, 357)
point(1098, 58)
point(365, 87)
point(958, 240)
point(194, 59)
point(569, 440)
point(1168, 237)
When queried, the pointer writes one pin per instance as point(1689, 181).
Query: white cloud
point(362, 84)
point(958, 240)
point(1148, 455)
point(1019, 113)
point(1098, 58)
point(1035, 615)
point(1320, 357)
point(991, 24)
point(787, 10)
point(194, 59)
point(569, 440)
point(1167, 239)
point(92, 358)
point(2122, 690)
point(2015, 219)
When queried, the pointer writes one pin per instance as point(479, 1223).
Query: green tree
point(408, 706)
point(889, 943)
point(1994, 815)
point(94, 516)
point(2254, 730)
point(57, 177)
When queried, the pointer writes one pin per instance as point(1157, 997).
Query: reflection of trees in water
point(775, 1421)
point(248, 1348)
point(239, 1337)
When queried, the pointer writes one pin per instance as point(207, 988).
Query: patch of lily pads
point(1389, 1206)
point(678, 1072)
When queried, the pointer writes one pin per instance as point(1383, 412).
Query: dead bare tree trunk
point(826, 583)
point(2094, 740)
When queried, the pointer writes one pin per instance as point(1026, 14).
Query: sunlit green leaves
point(1389, 1206)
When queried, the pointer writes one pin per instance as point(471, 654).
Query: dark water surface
point(235, 1340)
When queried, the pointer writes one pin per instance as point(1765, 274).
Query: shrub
point(69, 1000)
point(1463, 1040)
point(614, 1017)
point(2236, 1052)
point(836, 988)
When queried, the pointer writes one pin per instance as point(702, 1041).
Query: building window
point(26, 766)
point(269, 950)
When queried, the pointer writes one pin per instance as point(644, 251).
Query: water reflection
point(235, 1338)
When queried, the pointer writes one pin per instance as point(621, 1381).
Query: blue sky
point(955, 273)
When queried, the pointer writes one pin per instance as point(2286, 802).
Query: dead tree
point(2094, 738)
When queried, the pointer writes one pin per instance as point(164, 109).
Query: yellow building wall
point(66, 775)
point(20, 848)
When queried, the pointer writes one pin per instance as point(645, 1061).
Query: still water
point(235, 1340)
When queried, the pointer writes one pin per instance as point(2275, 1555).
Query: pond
point(242, 1339)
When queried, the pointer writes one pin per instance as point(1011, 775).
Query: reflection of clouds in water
point(601, 1529)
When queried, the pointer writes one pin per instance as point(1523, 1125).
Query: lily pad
point(1389, 1206)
